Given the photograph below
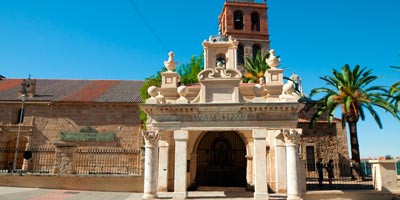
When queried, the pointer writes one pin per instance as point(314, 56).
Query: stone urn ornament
point(273, 61)
point(170, 64)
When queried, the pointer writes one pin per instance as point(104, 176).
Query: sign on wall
point(87, 134)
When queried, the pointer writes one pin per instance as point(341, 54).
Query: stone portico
point(222, 133)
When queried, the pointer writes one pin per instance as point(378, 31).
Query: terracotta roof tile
point(54, 90)
point(91, 92)
point(9, 84)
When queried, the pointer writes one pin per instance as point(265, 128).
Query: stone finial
point(292, 136)
point(150, 137)
point(182, 91)
point(230, 38)
point(160, 98)
point(273, 61)
point(170, 64)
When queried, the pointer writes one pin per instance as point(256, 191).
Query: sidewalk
point(17, 193)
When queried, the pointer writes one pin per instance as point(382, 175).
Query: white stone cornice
point(151, 137)
point(292, 136)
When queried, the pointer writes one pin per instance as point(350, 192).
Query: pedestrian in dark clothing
point(320, 168)
point(329, 168)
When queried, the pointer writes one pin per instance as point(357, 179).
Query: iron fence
point(107, 161)
point(340, 177)
point(37, 160)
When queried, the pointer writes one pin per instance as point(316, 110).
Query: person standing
point(320, 168)
point(329, 169)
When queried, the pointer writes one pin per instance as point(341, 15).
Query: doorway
point(221, 160)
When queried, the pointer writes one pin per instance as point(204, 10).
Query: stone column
point(180, 183)
point(280, 160)
point(260, 164)
point(163, 166)
point(292, 137)
point(150, 168)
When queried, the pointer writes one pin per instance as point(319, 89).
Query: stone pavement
point(19, 193)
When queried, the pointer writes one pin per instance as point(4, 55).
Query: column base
point(261, 196)
point(180, 195)
point(149, 196)
point(294, 198)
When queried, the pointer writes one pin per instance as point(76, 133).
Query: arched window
point(256, 48)
point(240, 54)
point(255, 21)
point(238, 20)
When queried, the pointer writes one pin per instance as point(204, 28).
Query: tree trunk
point(355, 150)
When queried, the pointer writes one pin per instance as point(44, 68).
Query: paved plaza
point(19, 193)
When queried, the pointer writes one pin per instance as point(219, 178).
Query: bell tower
point(246, 21)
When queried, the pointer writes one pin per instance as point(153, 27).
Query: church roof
point(56, 90)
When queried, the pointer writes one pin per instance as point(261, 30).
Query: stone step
point(213, 188)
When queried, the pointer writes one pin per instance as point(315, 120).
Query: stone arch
point(221, 159)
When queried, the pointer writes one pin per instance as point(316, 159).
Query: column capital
point(259, 133)
point(181, 135)
point(292, 136)
point(150, 137)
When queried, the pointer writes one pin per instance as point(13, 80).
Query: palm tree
point(255, 68)
point(394, 93)
point(350, 90)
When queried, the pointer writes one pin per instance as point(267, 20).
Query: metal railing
point(40, 160)
point(341, 177)
point(107, 161)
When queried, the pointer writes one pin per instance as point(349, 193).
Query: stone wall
point(329, 141)
point(48, 120)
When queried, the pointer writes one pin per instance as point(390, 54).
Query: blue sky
point(104, 39)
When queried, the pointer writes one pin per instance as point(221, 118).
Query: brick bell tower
point(246, 21)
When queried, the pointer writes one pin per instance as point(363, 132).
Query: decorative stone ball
point(182, 90)
point(258, 90)
point(152, 91)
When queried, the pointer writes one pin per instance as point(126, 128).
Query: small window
point(21, 116)
point(240, 54)
point(255, 22)
point(256, 49)
point(238, 20)
point(310, 153)
point(220, 60)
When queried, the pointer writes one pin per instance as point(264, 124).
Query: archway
point(221, 160)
